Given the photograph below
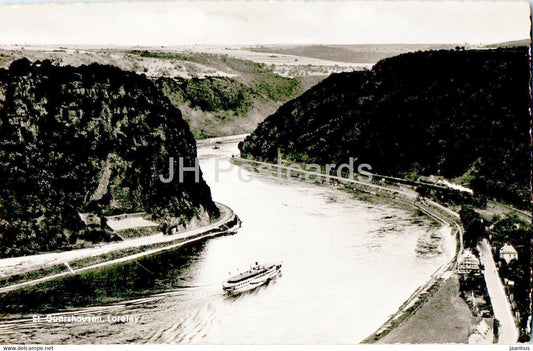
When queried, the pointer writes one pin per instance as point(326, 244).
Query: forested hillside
point(198, 83)
point(90, 139)
point(219, 106)
point(457, 113)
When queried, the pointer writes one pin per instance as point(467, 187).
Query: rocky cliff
point(90, 139)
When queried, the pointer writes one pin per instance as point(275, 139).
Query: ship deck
point(245, 275)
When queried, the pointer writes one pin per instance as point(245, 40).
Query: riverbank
point(219, 140)
point(20, 272)
point(443, 317)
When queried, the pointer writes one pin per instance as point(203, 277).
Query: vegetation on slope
point(91, 139)
point(256, 83)
point(258, 76)
point(458, 114)
point(218, 106)
point(212, 94)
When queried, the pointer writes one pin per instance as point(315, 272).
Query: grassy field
point(444, 318)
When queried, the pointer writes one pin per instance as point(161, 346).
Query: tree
point(473, 224)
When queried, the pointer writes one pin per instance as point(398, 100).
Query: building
point(508, 253)
point(483, 333)
point(468, 262)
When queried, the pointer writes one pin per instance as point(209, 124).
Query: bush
point(473, 225)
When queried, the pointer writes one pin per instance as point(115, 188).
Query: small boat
point(252, 278)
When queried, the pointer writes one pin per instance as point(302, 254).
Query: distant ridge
point(356, 53)
point(509, 44)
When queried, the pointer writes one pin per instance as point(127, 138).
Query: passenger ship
point(252, 278)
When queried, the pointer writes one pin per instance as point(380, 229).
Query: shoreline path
point(24, 264)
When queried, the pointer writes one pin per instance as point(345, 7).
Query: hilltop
point(264, 77)
point(357, 53)
point(462, 114)
point(510, 44)
point(263, 86)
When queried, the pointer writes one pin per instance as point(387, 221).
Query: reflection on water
point(135, 279)
point(347, 265)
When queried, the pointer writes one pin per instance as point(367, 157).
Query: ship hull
point(253, 282)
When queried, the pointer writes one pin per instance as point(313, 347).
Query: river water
point(347, 265)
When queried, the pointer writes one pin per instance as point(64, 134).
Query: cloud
point(263, 22)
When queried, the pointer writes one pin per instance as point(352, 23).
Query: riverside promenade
point(227, 222)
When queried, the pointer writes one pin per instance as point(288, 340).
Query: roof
point(483, 328)
point(476, 338)
point(468, 253)
point(508, 249)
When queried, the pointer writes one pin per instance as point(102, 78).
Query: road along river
point(347, 266)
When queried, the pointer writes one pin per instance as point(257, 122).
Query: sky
point(237, 22)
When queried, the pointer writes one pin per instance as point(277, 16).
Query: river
point(347, 265)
